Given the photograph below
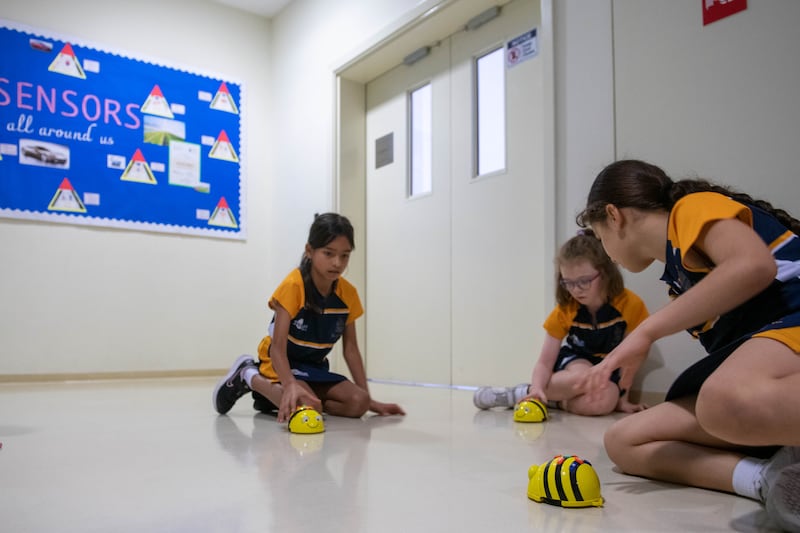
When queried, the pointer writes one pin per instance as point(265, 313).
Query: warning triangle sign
point(223, 149)
point(222, 215)
point(223, 101)
point(66, 63)
point(156, 104)
point(138, 170)
point(66, 199)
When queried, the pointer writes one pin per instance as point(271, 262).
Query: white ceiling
point(263, 8)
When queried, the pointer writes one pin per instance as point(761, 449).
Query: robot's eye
point(305, 418)
point(319, 418)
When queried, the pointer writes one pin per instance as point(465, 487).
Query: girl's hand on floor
point(624, 406)
point(384, 409)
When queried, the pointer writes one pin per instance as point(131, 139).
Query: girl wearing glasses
point(732, 265)
point(594, 313)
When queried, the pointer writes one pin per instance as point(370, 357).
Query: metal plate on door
point(384, 150)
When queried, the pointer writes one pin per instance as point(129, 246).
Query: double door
point(458, 261)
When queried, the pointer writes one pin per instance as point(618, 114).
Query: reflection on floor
point(153, 456)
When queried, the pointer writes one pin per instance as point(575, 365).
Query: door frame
point(424, 25)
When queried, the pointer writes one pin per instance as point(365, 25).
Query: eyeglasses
point(580, 283)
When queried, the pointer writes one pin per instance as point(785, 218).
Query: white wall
point(645, 79)
point(584, 103)
point(734, 119)
point(88, 300)
point(719, 101)
point(309, 40)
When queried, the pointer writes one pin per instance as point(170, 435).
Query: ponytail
point(311, 303)
point(632, 183)
point(688, 186)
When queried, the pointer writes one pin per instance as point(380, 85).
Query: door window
point(421, 141)
point(490, 113)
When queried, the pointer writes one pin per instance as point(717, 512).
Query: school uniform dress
point(774, 313)
point(312, 334)
point(591, 338)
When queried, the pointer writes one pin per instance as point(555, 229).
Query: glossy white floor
point(152, 456)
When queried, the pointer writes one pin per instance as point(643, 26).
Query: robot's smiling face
point(306, 420)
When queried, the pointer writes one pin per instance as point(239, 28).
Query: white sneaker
point(786, 456)
point(488, 397)
point(783, 498)
point(519, 392)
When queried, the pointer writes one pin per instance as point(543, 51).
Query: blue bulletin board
point(95, 137)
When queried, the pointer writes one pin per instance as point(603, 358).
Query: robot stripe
point(562, 495)
point(573, 479)
point(545, 476)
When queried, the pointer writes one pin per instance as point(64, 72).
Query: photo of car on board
point(43, 154)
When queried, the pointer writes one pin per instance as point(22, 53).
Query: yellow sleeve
point(692, 213)
point(558, 323)
point(349, 295)
point(290, 294)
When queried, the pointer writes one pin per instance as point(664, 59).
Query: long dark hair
point(586, 247)
point(325, 228)
point(633, 183)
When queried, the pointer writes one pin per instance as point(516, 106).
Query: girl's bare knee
point(598, 404)
point(578, 406)
point(726, 412)
point(353, 405)
point(360, 404)
point(617, 445)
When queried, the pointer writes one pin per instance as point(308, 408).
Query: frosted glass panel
point(491, 113)
point(421, 141)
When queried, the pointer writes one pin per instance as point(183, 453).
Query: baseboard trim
point(636, 396)
point(421, 384)
point(104, 376)
point(647, 397)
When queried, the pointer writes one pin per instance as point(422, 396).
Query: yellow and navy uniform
point(773, 313)
point(312, 333)
point(592, 338)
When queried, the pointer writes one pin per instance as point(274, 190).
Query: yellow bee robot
point(565, 481)
point(306, 419)
point(530, 411)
